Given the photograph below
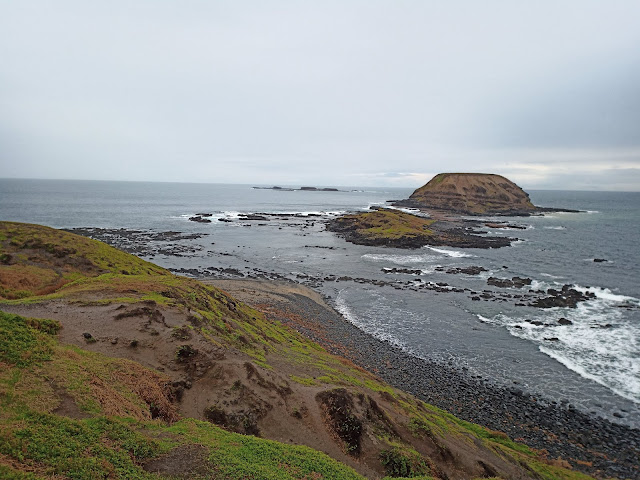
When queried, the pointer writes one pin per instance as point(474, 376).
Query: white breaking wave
point(541, 285)
point(555, 227)
point(555, 277)
point(450, 253)
point(598, 343)
point(631, 390)
point(412, 211)
point(235, 215)
point(306, 213)
point(399, 259)
point(608, 296)
point(372, 204)
point(423, 271)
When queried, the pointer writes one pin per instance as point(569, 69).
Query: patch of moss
point(387, 224)
point(404, 461)
point(20, 343)
point(308, 381)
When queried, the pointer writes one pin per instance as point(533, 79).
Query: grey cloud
point(590, 109)
point(623, 179)
point(311, 91)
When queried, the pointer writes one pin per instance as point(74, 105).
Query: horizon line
point(286, 185)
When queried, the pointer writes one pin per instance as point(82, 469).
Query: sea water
point(593, 362)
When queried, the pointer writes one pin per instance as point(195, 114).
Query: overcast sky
point(545, 92)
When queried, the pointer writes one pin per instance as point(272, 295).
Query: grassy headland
point(111, 367)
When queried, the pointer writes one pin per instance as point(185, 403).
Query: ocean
point(590, 360)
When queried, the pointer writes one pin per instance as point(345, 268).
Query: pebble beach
point(592, 444)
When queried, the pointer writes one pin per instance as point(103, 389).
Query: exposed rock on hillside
point(472, 194)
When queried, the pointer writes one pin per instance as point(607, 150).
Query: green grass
point(388, 224)
point(22, 341)
point(44, 260)
point(246, 457)
point(93, 448)
point(35, 439)
point(8, 473)
point(308, 381)
point(493, 436)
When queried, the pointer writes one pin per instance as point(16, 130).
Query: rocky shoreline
point(409, 203)
point(591, 444)
point(384, 227)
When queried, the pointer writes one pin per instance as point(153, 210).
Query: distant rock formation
point(303, 189)
point(471, 194)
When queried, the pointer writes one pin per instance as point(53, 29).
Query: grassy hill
point(111, 367)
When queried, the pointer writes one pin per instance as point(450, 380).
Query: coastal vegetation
point(386, 227)
point(112, 367)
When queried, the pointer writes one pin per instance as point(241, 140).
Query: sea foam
point(599, 344)
point(450, 253)
point(399, 259)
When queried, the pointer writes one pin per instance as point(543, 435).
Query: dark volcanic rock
point(566, 297)
point(199, 218)
point(303, 189)
point(253, 216)
point(506, 226)
point(515, 282)
point(402, 270)
point(274, 188)
point(473, 270)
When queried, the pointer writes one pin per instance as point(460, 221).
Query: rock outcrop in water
point(472, 194)
point(385, 227)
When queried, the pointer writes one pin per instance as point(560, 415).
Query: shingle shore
point(612, 449)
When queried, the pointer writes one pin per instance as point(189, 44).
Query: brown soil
point(225, 386)
point(68, 406)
